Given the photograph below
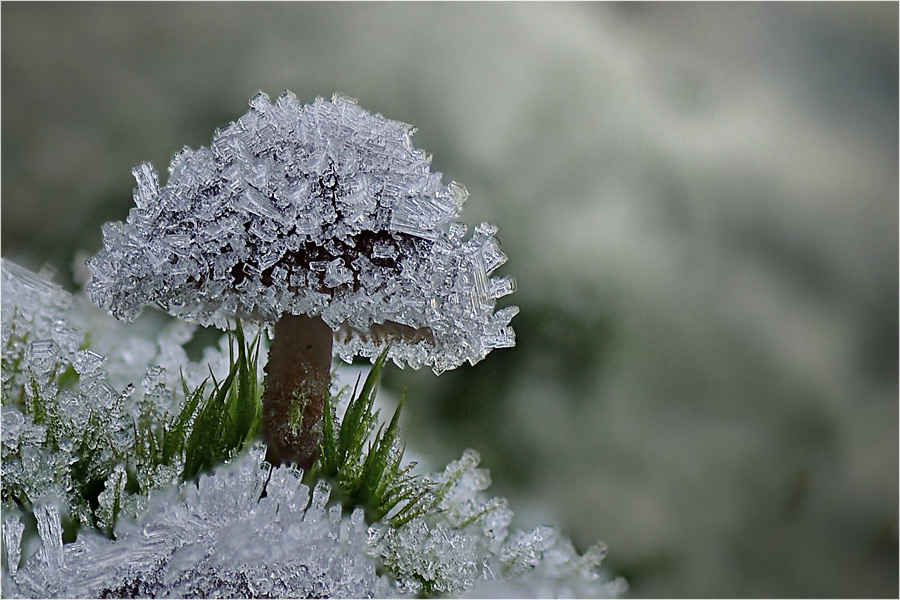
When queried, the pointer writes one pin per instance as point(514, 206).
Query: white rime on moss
point(46, 426)
point(60, 412)
point(221, 536)
point(322, 210)
point(250, 530)
point(463, 547)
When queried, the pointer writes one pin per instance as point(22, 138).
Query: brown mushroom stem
point(297, 376)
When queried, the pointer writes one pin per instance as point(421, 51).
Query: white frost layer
point(319, 209)
point(248, 530)
point(216, 538)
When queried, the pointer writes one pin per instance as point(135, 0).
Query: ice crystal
point(321, 209)
point(13, 528)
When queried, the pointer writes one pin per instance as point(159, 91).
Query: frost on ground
point(245, 529)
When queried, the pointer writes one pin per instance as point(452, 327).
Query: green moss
point(367, 473)
point(229, 417)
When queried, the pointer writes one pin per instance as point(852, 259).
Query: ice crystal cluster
point(318, 209)
point(63, 423)
point(250, 530)
point(464, 547)
point(244, 529)
point(241, 532)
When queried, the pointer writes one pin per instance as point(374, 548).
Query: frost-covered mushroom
point(324, 221)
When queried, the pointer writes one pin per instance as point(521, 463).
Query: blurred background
point(699, 203)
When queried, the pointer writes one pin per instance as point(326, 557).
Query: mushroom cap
point(320, 209)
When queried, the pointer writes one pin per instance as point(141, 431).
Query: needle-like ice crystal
point(320, 209)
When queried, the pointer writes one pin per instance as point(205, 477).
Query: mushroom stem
point(297, 375)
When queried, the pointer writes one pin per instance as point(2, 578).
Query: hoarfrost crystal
point(321, 209)
point(218, 537)
point(463, 547)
